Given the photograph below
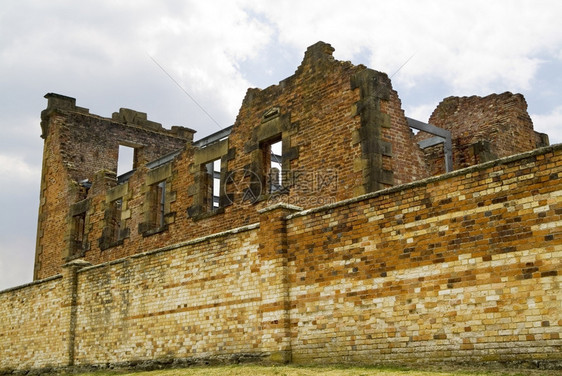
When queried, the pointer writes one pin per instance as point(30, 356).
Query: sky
point(170, 59)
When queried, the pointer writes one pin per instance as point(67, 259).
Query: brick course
point(459, 268)
point(33, 326)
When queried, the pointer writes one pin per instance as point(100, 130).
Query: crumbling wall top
point(485, 128)
point(128, 116)
point(62, 102)
point(131, 117)
point(316, 56)
point(58, 102)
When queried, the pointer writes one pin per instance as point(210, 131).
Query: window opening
point(78, 227)
point(125, 160)
point(212, 184)
point(273, 164)
point(115, 219)
point(159, 191)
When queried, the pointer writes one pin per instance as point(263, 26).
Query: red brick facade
point(343, 134)
point(483, 129)
point(354, 253)
point(79, 167)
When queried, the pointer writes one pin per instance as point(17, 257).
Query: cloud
point(104, 47)
point(489, 43)
point(550, 124)
point(19, 198)
point(18, 170)
point(203, 48)
point(420, 112)
point(16, 262)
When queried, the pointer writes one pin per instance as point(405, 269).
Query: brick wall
point(34, 326)
point(343, 134)
point(465, 268)
point(462, 268)
point(482, 129)
point(81, 147)
point(199, 300)
point(407, 160)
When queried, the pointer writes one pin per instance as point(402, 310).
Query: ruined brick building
point(318, 227)
point(342, 133)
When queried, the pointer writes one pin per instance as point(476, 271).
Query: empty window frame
point(114, 222)
point(126, 159)
point(77, 233)
point(212, 185)
point(158, 203)
point(272, 162)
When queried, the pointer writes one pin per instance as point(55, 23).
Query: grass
point(293, 370)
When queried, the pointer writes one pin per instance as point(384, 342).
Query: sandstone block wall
point(463, 267)
point(466, 268)
point(199, 300)
point(34, 326)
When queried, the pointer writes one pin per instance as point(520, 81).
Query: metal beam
point(164, 159)
point(431, 142)
point(436, 131)
point(276, 158)
point(213, 137)
point(416, 124)
point(124, 177)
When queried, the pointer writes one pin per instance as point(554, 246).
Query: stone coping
point(175, 246)
point(280, 205)
point(38, 282)
point(423, 182)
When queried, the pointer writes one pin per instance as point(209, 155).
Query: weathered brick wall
point(316, 106)
point(407, 161)
point(466, 268)
point(482, 129)
point(343, 133)
point(199, 300)
point(81, 146)
point(55, 199)
point(462, 268)
point(33, 333)
point(89, 143)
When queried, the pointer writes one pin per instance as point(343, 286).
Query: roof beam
point(213, 137)
point(443, 135)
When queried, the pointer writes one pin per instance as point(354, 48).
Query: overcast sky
point(100, 52)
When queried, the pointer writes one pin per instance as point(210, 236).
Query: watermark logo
point(301, 201)
point(307, 181)
point(303, 188)
point(242, 184)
